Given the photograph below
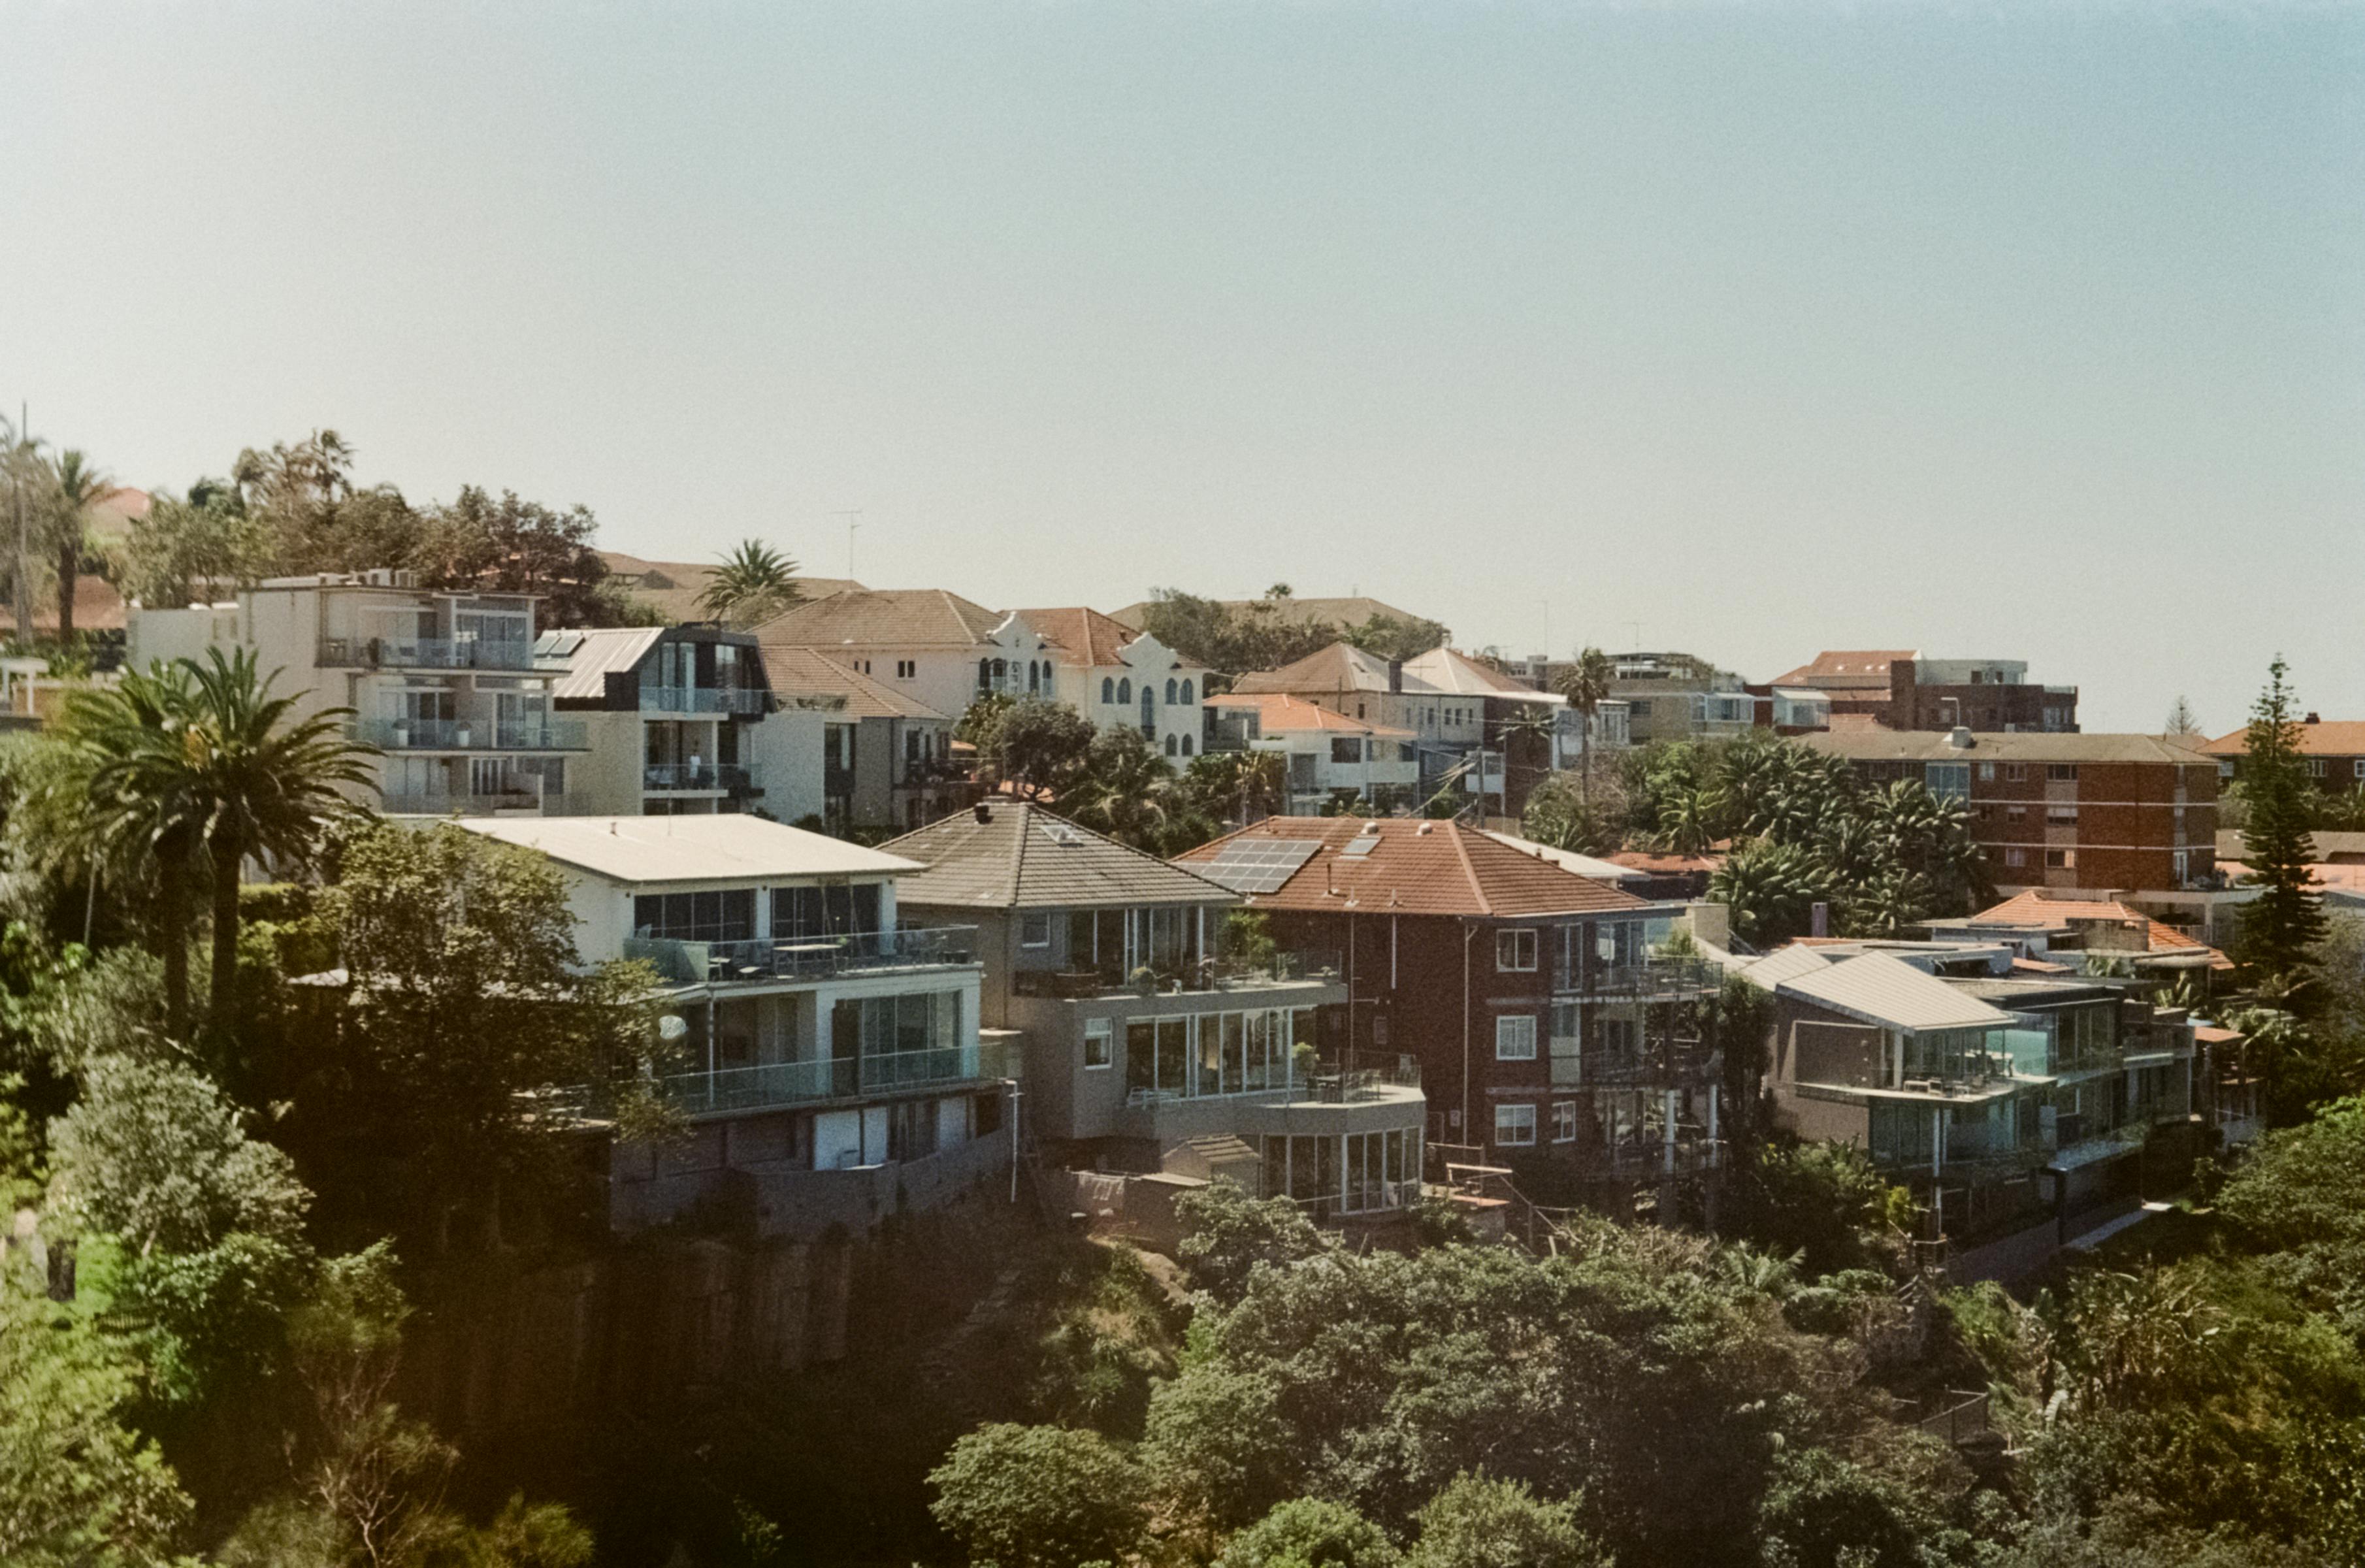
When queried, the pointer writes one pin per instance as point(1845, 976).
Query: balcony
point(704, 699)
point(1665, 1065)
point(511, 803)
point(1291, 967)
point(426, 653)
point(1659, 979)
point(470, 735)
point(1326, 1085)
point(717, 776)
point(805, 958)
point(843, 1078)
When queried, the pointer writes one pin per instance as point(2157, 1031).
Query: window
point(2061, 859)
point(1514, 950)
point(1987, 772)
point(1186, 746)
point(2015, 856)
point(1514, 1038)
point(1564, 1121)
point(2358, 768)
point(2014, 813)
point(725, 916)
point(1346, 748)
point(1186, 691)
point(1034, 929)
point(2225, 770)
point(984, 674)
point(2061, 772)
point(1100, 1045)
point(1515, 1125)
point(1124, 692)
point(1174, 746)
point(1171, 689)
point(2014, 772)
point(2061, 816)
point(906, 668)
point(1108, 689)
point(2316, 766)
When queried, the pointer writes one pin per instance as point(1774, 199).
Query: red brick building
point(1899, 690)
point(1548, 1030)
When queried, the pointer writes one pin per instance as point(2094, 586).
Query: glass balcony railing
point(700, 776)
point(842, 1078)
point(470, 735)
point(703, 700)
point(519, 802)
point(1657, 979)
point(1287, 967)
point(426, 653)
point(805, 958)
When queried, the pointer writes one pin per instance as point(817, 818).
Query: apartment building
point(1679, 697)
point(936, 648)
point(1552, 1033)
point(680, 719)
point(1330, 758)
point(1898, 689)
point(2137, 814)
point(1529, 734)
point(447, 683)
point(831, 1070)
point(885, 758)
point(2335, 753)
point(1449, 729)
point(1150, 1024)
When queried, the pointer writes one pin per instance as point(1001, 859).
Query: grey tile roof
point(1022, 856)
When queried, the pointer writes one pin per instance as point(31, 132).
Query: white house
point(1113, 674)
point(1328, 754)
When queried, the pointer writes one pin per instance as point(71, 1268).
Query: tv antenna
point(851, 514)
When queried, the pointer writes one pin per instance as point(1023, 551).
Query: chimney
point(2313, 719)
point(981, 812)
point(1960, 738)
point(1395, 678)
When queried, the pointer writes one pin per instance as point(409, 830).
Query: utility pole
point(850, 513)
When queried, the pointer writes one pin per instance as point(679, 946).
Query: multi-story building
point(1529, 734)
point(1449, 729)
point(1116, 676)
point(885, 758)
point(1898, 689)
point(1329, 757)
point(1551, 1032)
point(446, 683)
point(1678, 697)
point(2135, 814)
point(679, 720)
point(1150, 1023)
point(2335, 753)
point(936, 648)
point(832, 1071)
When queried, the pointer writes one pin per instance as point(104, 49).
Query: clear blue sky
point(2022, 330)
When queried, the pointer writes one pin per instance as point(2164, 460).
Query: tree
point(317, 519)
point(1564, 812)
point(75, 485)
point(1396, 637)
point(1771, 890)
point(1477, 1522)
point(513, 545)
point(21, 460)
point(1039, 1497)
point(2180, 719)
point(754, 583)
point(1232, 640)
point(2283, 923)
point(2300, 1194)
point(1125, 790)
point(1040, 749)
point(1586, 684)
point(1227, 1235)
point(184, 551)
point(1239, 787)
point(1311, 1532)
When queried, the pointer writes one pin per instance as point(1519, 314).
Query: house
point(679, 720)
point(1113, 674)
point(1552, 1032)
point(2124, 815)
point(936, 648)
point(2098, 933)
point(1528, 733)
point(886, 757)
point(1610, 729)
point(1679, 697)
point(1668, 876)
point(832, 1070)
point(1330, 758)
point(673, 588)
point(2335, 753)
point(1152, 1025)
point(1449, 729)
point(446, 683)
point(1899, 690)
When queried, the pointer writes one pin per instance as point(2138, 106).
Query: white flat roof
point(689, 849)
point(1888, 992)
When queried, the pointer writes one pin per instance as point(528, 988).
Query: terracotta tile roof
point(2334, 737)
point(1022, 856)
point(1278, 713)
point(1086, 638)
point(2023, 745)
point(2331, 876)
point(1663, 865)
point(1845, 669)
point(1856, 721)
point(1341, 668)
point(2037, 908)
point(1416, 866)
point(883, 618)
point(794, 673)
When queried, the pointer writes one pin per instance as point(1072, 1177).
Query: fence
point(806, 957)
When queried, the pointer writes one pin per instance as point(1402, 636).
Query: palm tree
point(1586, 684)
point(752, 581)
point(201, 761)
point(78, 484)
point(1126, 790)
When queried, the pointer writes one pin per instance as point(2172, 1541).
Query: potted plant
point(1145, 981)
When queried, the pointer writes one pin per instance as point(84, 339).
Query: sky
point(2027, 331)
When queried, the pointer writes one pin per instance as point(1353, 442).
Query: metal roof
point(640, 851)
point(592, 655)
point(1785, 963)
point(1883, 991)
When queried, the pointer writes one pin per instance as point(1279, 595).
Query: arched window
point(984, 674)
point(1108, 689)
point(1186, 746)
point(1170, 746)
point(1000, 668)
point(1186, 693)
point(1149, 710)
point(1170, 691)
point(1124, 692)
point(1034, 676)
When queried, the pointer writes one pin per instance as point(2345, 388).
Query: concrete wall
point(786, 748)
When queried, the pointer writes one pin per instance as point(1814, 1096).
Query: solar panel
point(1259, 866)
point(1362, 843)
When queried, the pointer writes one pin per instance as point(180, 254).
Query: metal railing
point(840, 1078)
point(1651, 1064)
point(806, 957)
point(426, 653)
point(702, 776)
point(1281, 1084)
point(513, 802)
point(1291, 966)
point(470, 735)
point(1673, 979)
point(704, 699)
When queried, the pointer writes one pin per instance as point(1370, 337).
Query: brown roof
point(1341, 668)
point(883, 618)
point(1663, 865)
point(1015, 855)
point(1841, 669)
point(672, 587)
point(2022, 746)
point(1448, 670)
point(794, 673)
point(2335, 737)
point(1280, 713)
point(2036, 908)
point(1416, 866)
point(1086, 637)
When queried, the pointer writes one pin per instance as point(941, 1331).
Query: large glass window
point(727, 915)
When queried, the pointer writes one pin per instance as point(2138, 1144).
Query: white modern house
point(832, 1068)
point(447, 683)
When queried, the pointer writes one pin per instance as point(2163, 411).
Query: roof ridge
point(1462, 856)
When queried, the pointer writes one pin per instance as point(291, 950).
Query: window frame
point(1509, 1048)
point(1564, 1121)
point(1105, 1030)
point(1028, 920)
point(1510, 1109)
point(1511, 938)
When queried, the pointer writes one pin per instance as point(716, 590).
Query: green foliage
point(81, 1488)
point(1109, 1342)
point(981, 720)
point(754, 583)
point(1260, 635)
point(1234, 787)
point(1227, 1235)
point(1396, 637)
point(1040, 1498)
point(1042, 748)
point(1822, 1511)
point(2282, 924)
point(1127, 790)
point(2300, 1196)
point(1826, 1201)
point(1308, 1532)
point(1575, 812)
point(1477, 1522)
point(189, 551)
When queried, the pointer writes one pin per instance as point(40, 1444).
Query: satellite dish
point(672, 1027)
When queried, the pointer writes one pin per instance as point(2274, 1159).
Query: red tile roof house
point(1549, 1036)
point(2335, 753)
